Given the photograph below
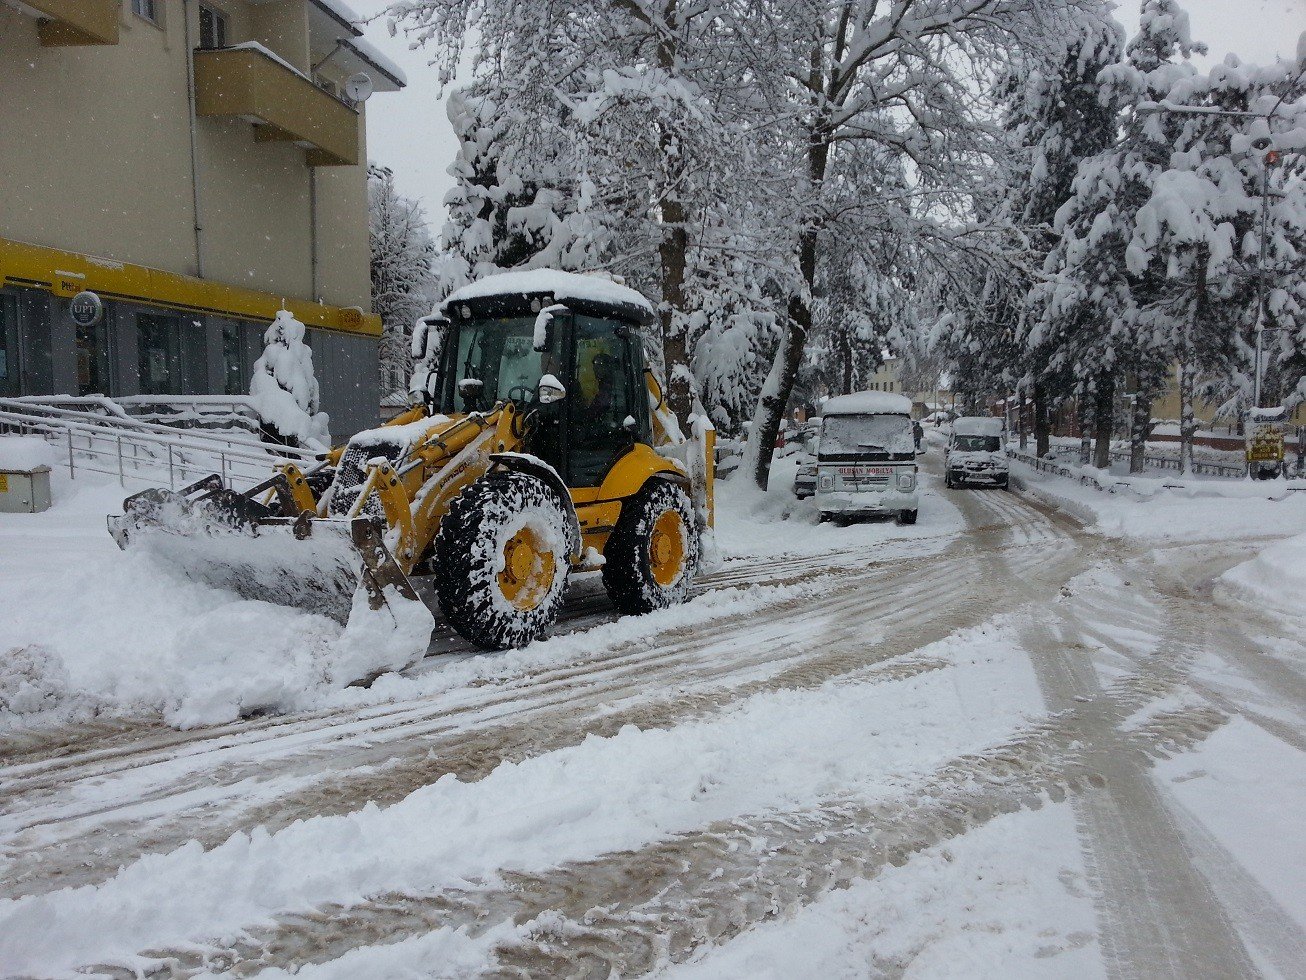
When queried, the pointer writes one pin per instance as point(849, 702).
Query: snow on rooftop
point(987, 425)
point(560, 285)
point(370, 53)
point(867, 403)
point(340, 10)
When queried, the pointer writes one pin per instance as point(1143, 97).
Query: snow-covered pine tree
point(401, 256)
point(1097, 316)
point(1056, 118)
point(1202, 226)
point(284, 389)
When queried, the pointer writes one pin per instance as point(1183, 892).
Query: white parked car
point(866, 458)
point(975, 454)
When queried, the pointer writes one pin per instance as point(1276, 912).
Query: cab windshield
point(866, 435)
point(500, 354)
point(978, 444)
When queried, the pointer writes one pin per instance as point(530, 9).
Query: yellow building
point(196, 165)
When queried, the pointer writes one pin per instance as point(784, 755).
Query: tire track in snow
point(540, 726)
point(347, 763)
point(1159, 915)
point(628, 912)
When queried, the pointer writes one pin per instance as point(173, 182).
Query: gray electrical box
point(25, 491)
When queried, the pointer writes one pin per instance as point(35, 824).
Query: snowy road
point(1028, 751)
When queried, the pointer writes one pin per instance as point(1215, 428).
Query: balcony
point(69, 22)
point(253, 84)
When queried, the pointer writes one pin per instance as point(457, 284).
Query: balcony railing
point(67, 22)
point(254, 84)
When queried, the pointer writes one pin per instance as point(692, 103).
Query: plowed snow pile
point(1274, 580)
point(88, 629)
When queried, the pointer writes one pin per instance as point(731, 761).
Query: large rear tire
point(651, 554)
point(501, 560)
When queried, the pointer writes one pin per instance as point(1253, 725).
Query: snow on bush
point(284, 390)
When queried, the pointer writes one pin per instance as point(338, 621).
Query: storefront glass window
point(93, 374)
point(9, 371)
point(235, 374)
point(158, 345)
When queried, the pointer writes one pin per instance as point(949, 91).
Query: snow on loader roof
point(561, 286)
point(987, 425)
point(867, 403)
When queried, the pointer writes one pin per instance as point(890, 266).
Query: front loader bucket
point(229, 541)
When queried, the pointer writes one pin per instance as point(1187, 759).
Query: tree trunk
point(784, 371)
point(1083, 413)
point(1042, 421)
point(1187, 419)
point(1103, 419)
point(1021, 421)
point(675, 343)
point(1140, 427)
point(672, 252)
point(775, 392)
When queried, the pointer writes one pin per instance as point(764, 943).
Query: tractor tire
point(501, 560)
point(651, 555)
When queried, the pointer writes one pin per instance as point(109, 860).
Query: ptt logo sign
point(66, 286)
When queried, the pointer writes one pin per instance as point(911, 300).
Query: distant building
point(194, 165)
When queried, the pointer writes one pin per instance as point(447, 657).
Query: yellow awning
point(68, 273)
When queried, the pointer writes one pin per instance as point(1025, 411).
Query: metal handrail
point(142, 456)
point(195, 438)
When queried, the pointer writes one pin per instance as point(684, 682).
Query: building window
point(213, 28)
point(158, 346)
point(235, 374)
point(9, 377)
point(92, 343)
point(148, 9)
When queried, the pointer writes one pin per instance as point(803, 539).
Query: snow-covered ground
point(998, 743)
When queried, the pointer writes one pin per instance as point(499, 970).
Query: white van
point(975, 454)
point(866, 458)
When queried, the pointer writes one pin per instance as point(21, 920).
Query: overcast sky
point(409, 132)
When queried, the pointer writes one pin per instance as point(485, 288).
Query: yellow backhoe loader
point(540, 447)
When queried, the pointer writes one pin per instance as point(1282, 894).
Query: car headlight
point(827, 481)
point(906, 481)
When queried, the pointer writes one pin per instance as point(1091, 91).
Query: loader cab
point(494, 352)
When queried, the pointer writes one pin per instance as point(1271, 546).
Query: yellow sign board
point(4, 483)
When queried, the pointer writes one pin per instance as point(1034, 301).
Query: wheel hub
point(667, 548)
point(528, 569)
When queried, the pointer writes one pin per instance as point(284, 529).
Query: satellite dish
point(359, 87)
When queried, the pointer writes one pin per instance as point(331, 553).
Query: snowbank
point(560, 285)
point(90, 629)
point(1275, 579)
point(1167, 508)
